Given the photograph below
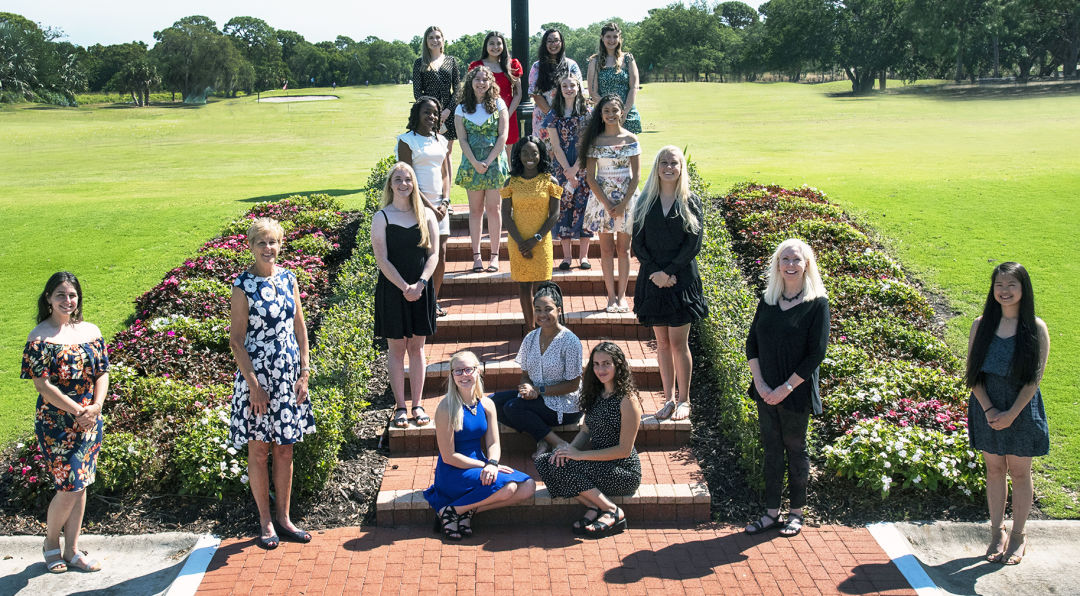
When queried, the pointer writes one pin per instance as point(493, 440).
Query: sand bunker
point(289, 98)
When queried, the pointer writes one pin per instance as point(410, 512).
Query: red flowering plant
point(28, 475)
point(171, 355)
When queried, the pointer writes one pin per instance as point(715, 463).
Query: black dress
point(442, 84)
point(396, 317)
point(790, 341)
point(661, 244)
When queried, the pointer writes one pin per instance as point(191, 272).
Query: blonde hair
point(453, 397)
point(426, 51)
point(418, 207)
point(651, 192)
point(811, 286)
point(264, 226)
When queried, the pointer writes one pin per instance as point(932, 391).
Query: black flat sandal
point(445, 518)
point(579, 526)
point(301, 536)
point(599, 529)
point(757, 527)
point(793, 526)
point(422, 419)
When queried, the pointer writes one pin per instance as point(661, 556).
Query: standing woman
point(270, 408)
point(403, 236)
point(601, 462)
point(68, 361)
point(496, 57)
point(611, 70)
point(565, 124)
point(551, 66)
point(423, 148)
point(438, 74)
point(610, 155)
point(785, 347)
point(668, 296)
point(481, 120)
point(1007, 353)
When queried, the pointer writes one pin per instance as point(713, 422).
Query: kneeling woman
point(601, 461)
point(467, 480)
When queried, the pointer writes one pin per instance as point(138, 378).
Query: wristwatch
point(540, 390)
point(538, 237)
point(492, 462)
point(789, 387)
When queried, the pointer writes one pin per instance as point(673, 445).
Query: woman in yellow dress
point(530, 208)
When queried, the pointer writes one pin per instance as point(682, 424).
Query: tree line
point(865, 40)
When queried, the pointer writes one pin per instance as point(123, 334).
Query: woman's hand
point(260, 401)
point(413, 291)
point(300, 387)
point(762, 389)
point(527, 391)
point(1000, 420)
point(526, 246)
point(564, 453)
point(441, 211)
point(444, 114)
point(571, 175)
point(776, 396)
point(489, 473)
point(661, 279)
point(87, 417)
point(481, 167)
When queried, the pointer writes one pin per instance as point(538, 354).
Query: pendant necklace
point(472, 409)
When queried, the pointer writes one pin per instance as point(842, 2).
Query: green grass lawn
point(955, 182)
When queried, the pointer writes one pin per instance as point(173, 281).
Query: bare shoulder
point(41, 332)
point(488, 404)
point(1043, 330)
point(89, 331)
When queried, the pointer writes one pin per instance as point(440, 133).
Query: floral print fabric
point(70, 451)
point(614, 176)
point(275, 357)
point(572, 207)
point(482, 139)
point(610, 81)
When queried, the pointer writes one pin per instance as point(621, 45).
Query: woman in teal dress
point(468, 476)
point(613, 71)
point(482, 123)
point(68, 361)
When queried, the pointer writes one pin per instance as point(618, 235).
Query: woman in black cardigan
point(785, 348)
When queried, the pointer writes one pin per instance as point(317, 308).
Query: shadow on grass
point(969, 92)
point(334, 192)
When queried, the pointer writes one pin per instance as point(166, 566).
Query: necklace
point(472, 408)
point(792, 299)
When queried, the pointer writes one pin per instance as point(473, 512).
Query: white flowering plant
point(203, 461)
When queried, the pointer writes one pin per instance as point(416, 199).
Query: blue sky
point(119, 21)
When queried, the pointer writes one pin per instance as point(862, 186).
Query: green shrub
point(822, 235)
point(319, 201)
point(323, 219)
point(868, 263)
point(316, 456)
point(235, 259)
point(203, 463)
point(127, 461)
point(312, 245)
point(206, 286)
point(843, 361)
point(376, 180)
point(212, 332)
point(890, 337)
point(857, 296)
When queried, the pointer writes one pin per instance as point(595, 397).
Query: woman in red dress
point(508, 73)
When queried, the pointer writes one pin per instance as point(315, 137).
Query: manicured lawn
point(954, 184)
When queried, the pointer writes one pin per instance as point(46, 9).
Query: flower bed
point(895, 405)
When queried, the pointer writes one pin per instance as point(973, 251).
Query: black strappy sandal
point(445, 518)
point(599, 529)
point(466, 518)
point(793, 526)
point(757, 527)
point(579, 526)
point(400, 418)
point(477, 268)
point(422, 418)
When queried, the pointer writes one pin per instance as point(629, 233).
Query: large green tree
point(34, 65)
point(196, 58)
point(258, 42)
point(871, 37)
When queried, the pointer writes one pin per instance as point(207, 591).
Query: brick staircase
point(485, 317)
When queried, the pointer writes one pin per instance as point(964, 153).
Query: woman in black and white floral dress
point(270, 407)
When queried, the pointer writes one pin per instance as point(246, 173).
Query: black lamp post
point(519, 40)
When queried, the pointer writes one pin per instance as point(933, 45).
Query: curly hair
point(517, 168)
point(591, 387)
point(414, 113)
point(595, 126)
point(468, 96)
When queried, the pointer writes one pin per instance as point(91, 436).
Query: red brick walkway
point(709, 559)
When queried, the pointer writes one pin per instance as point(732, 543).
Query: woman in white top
point(550, 360)
point(428, 152)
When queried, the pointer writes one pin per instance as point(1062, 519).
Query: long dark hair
point(414, 113)
point(550, 289)
point(504, 57)
point(595, 126)
point(1025, 362)
point(558, 105)
point(44, 309)
point(517, 168)
point(591, 387)
point(552, 67)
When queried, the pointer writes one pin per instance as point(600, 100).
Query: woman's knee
point(258, 453)
point(996, 466)
point(283, 454)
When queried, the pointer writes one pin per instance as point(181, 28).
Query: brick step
point(459, 248)
point(653, 433)
point(501, 372)
point(500, 316)
point(459, 280)
point(672, 490)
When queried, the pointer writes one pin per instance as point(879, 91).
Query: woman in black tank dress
point(404, 234)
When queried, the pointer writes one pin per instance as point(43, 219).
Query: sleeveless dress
point(614, 478)
point(1029, 435)
point(661, 244)
point(69, 451)
point(396, 317)
point(572, 208)
point(609, 82)
point(456, 486)
point(506, 93)
point(614, 175)
point(568, 67)
point(275, 356)
point(442, 84)
point(481, 139)
point(428, 155)
point(530, 197)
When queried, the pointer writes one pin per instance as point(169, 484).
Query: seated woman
point(467, 480)
point(550, 360)
point(601, 461)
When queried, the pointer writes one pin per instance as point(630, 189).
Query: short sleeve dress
point(270, 342)
point(481, 133)
point(613, 174)
point(457, 486)
point(661, 244)
point(572, 208)
point(428, 155)
point(565, 68)
point(614, 478)
point(1029, 435)
point(610, 80)
point(70, 451)
point(396, 317)
point(530, 198)
point(506, 92)
point(561, 361)
point(442, 84)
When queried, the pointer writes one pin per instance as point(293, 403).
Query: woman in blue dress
point(270, 409)
point(467, 479)
point(1007, 352)
point(68, 361)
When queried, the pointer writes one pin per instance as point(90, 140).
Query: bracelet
point(305, 369)
point(988, 409)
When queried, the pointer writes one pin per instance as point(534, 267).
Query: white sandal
point(57, 565)
point(84, 563)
